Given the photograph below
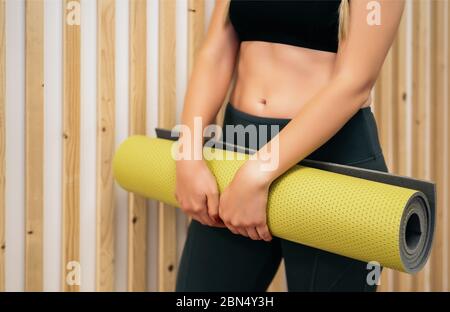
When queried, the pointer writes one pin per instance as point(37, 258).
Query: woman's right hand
point(197, 192)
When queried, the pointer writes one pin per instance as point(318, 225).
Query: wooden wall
point(412, 112)
point(411, 105)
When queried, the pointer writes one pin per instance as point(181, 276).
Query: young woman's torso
point(279, 69)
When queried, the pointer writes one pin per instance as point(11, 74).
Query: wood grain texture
point(105, 143)
point(137, 205)
point(384, 99)
point(71, 146)
point(167, 247)
point(34, 142)
point(196, 30)
point(2, 144)
point(421, 144)
point(402, 281)
point(400, 97)
point(446, 256)
point(439, 68)
point(196, 34)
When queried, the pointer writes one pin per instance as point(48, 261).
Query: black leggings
point(215, 259)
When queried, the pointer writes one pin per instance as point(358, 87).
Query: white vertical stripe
point(181, 54)
point(15, 145)
point(152, 65)
point(87, 144)
point(152, 122)
point(122, 100)
point(53, 143)
point(209, 7)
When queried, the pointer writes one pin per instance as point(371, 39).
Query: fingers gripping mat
point(349, 216)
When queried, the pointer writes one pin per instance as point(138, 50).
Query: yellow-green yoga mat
point(349, 216)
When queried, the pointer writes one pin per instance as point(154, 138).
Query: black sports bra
point(311, 24)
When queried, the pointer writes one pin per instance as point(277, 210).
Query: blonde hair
point(344, 16)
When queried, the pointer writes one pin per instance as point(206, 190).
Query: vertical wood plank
point(384, 92)
point(167, 251)
point(137, 205)
point(438, 102)
point(447, 156)
point(421, 144)
point(196, 30)
point(2, 144)
point(196, 35)
point(34, 143)
point(71, 142)
point(402, 281)
point(400, 97)
point(105, 143)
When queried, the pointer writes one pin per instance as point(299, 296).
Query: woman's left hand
point(243, 204)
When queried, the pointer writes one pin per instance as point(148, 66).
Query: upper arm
point(221, 39)
point(361, 55)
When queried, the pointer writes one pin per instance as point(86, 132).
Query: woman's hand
point(197, 192)
point(243, 204)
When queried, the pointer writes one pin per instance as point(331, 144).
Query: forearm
point(207, 88)
point(317, 121)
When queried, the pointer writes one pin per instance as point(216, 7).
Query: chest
point(285, 13)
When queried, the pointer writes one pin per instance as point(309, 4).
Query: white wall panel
point(122, 65)
point(15, 146)
point(87, 143)
point(53, 143)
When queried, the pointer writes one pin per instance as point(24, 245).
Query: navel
point(263, 101)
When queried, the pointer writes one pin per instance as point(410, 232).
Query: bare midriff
point(276, 80)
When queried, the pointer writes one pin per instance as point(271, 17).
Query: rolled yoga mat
point(349, 216)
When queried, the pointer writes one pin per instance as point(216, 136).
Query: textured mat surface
point(353, 217)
